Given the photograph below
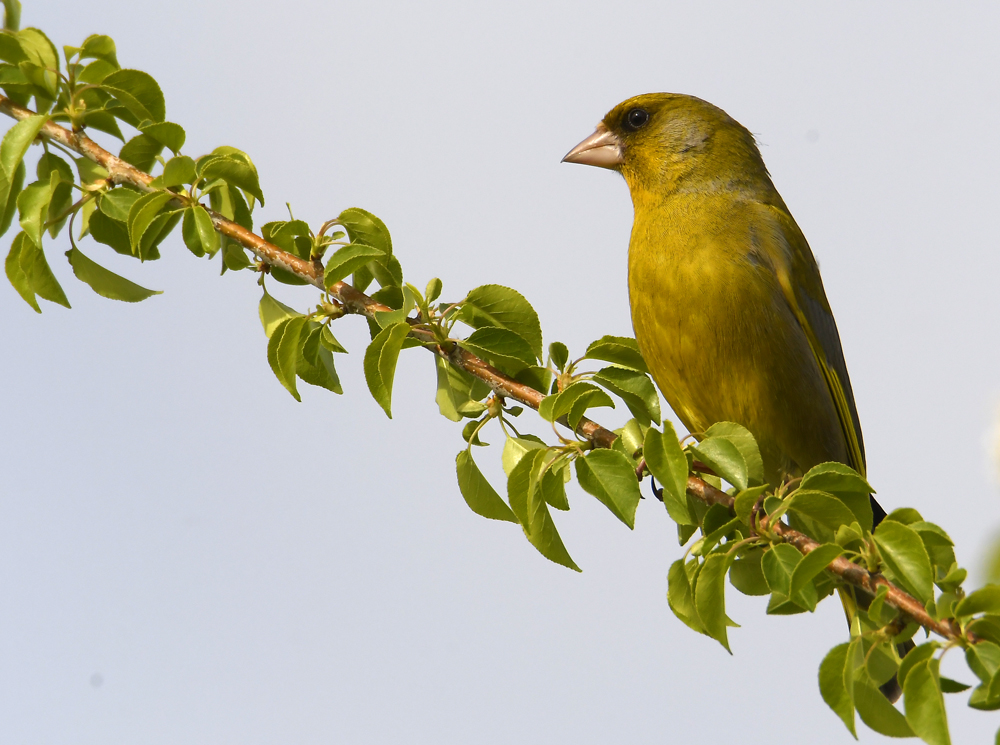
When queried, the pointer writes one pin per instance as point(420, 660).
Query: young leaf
point(273, 313)
point(779, 564)
point(610, 476)
point(559, 354)
point(347, 260)
point(16, 275)
point(924, 703)
point(10, 190)
point(33, 209)
point(532, 511)
point(668, 464)
point(618, 350)
point(380, 363)
point(235, 168)
point(37, 274)
point(904, 554)
point(836, 682)
point(104, 282)
point(984, 600)
point(458, 393)
point(199, 231)
point(747, 576)
point(635, 389)
point(283, 352)
point(724, 458)
point(680, 596)
point(495, 305)
point(811, 565)
point(142, 214)
point(479, 495)
point(178, 171)
point(740, 437)
point(364, 227)
point(561, 404)
point(15, 144)
point(710, 597)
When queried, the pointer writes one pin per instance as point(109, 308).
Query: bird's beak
point(602, 149)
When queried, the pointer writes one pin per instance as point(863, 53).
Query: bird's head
point(662, 142)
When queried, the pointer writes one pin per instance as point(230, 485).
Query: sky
point(189, 555)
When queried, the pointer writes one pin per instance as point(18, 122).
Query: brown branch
point(357, 302)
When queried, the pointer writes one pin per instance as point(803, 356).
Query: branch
point(358, 303)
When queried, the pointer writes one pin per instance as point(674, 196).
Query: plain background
point(189, 556)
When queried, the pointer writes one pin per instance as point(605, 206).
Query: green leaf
point(500, 347)
point(142, 214)
point(925, 712)
point(921, 653)
point(502, 307)
point(458, 393)
point(98, 46)
point(876, 711)
point(33, 206)
point(635, 389)
point(845, 484)
point(363, 227)
point(167, 134)
point(117, 203)
point(348, 260)
point(618, 350)
point(380, 363)
point(139, 93)
point(16, 275)
point(779, 564)
point(10, 190)
point(38, 277)
point(110, 232)
point(559, 354)
point(668, 464)
point(141, 151)
point(984, 600)
point(747, 576)
point(836, 682)
point(235, 168)
point(178, 172)
point(479, 495)
point(710, 597)
point(199, 232)
point(745, 501)
point(811, 565)
point(723, 457)
point(515, 448)
point(740, 437)
point(273, 313)
point(283, 353)
point(680, 596)
point(984, 660)
point(561, 404)
point(532, 511)
point(610, 476)
point(823, 508)
point(553, 487)
point(104, 282)
point(904, 554)
point(315, 364)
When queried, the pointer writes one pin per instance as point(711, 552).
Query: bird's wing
point(802, 287)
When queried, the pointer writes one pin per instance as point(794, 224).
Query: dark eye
point(635, 119)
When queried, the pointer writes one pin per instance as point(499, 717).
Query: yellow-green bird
point(727, 303)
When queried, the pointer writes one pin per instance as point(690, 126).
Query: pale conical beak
point(602, 149)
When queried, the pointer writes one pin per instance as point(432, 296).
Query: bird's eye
point(635, 118)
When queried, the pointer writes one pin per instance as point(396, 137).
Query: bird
point(727, 303)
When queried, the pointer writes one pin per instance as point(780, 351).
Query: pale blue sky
point(189, 556)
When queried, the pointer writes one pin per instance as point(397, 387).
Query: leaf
point(178, 172)
point(747, 576)
point(33, 206)
point(875, 710)
point(824, 508)
point(348, 260)
point(199, 232)
point(618, 350)
point(37, 274)
point(380, 363)
point(680, 596)
point(98, 46)
point(559, 354)
point(610, 476)
point(811, 565)
point(532, 511)
point(235, 168)
point(745, 500)
point(117, 203)
point(502, 307)
point(904, 554)
point(740, 437)
point(836, 683)
point(710, 597)
point(17, 276)
point(983, 600)
point(561, 404)
point(635, 389)
point(844, 483)
point(363, 227)
point(668, 464)
point(315, 365)
point(167, 134)
point(141, 151)
point(724, 458)
point(925, 712)
point(110, 233)
point(500, 347)
point(458, 393)
point(273, 313)
point(283, 353)
point(104, 282)
point(139, 93)
point(479, 495)
point(10, 190)
point(779, 564)
point(142, 214)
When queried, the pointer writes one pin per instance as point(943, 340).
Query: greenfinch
point(727, 302)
